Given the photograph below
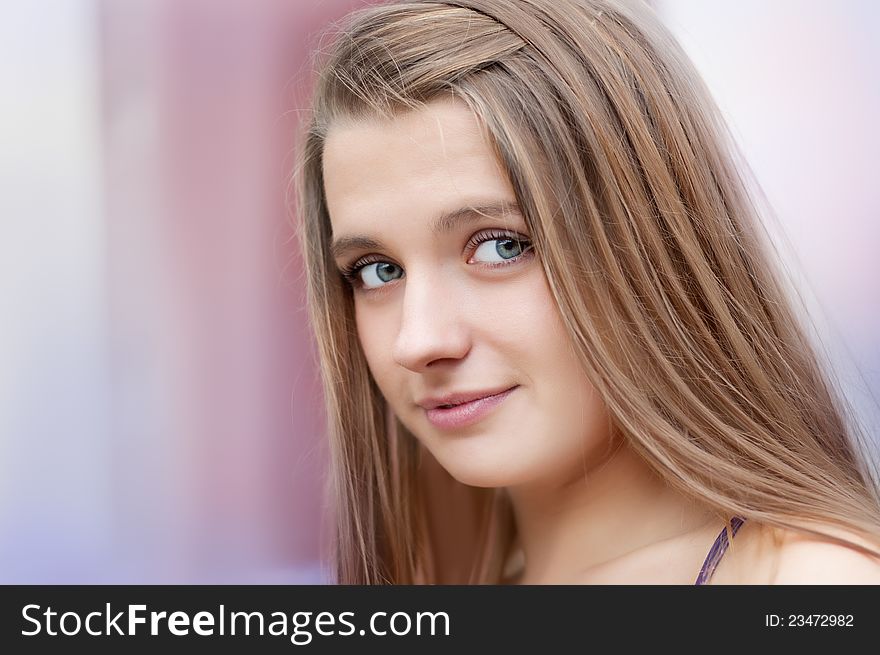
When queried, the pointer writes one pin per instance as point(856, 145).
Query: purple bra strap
point(717, 551)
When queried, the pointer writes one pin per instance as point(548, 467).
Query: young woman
point(553, 342)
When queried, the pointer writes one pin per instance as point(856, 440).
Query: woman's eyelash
point(492, 235)
point(351, 272)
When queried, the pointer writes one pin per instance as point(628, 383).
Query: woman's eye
point(378, 273)
point(499, 250)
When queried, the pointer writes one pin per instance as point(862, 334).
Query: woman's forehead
point(426, 163)
point(442, 135)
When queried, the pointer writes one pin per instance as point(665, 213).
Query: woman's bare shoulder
point(762, 554)
point(808, 559)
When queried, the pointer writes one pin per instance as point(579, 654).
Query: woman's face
point(452, 304)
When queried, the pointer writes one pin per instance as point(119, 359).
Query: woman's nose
point(432, 326)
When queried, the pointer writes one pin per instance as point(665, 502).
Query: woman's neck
point(616, 507)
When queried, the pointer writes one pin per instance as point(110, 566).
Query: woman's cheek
point(376, 334)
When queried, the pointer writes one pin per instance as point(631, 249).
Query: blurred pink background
point(160, 411)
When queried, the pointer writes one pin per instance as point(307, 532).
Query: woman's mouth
point(450, 416)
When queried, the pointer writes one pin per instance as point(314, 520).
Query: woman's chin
point(489, 471)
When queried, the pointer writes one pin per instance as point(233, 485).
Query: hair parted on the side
point(654, 253)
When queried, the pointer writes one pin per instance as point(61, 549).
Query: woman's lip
point(467, 413)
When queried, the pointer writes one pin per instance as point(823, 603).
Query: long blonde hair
point(655, 256)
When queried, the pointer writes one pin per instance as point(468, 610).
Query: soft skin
point(450, 321)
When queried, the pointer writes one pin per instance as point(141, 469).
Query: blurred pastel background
point(160, 412)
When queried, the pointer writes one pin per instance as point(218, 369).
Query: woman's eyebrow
point(444, 223)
